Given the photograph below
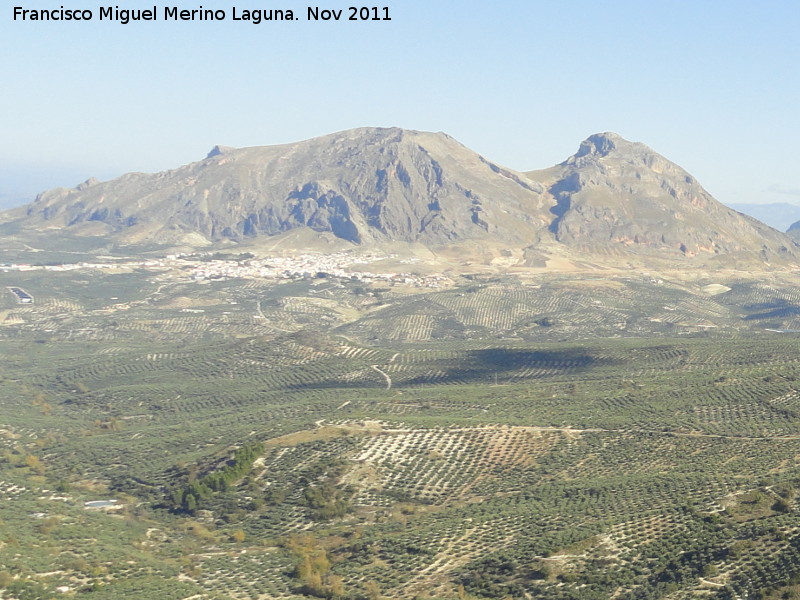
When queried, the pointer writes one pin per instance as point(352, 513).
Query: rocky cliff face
point(376, 185)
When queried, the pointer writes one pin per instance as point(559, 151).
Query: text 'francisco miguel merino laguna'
point(173, 13)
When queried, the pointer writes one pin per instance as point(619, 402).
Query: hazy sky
point(712, 85)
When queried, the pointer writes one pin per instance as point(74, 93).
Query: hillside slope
point(616, 192)
point(363, 185)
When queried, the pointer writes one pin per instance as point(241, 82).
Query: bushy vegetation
point(192, 495)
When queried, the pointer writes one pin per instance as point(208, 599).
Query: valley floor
point(321, 438)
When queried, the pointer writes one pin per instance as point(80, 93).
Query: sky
point(712, 85)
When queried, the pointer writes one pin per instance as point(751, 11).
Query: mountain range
point(377, 185)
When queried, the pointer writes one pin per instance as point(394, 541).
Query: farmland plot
point(489, 440)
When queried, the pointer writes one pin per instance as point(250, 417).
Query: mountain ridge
point(379, 185)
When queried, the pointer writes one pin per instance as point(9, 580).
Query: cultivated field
point(632, 438)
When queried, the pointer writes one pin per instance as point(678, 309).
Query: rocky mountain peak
point(608, 144)
point(600, 144)
point(87, 184)
point(218, 150)
point(616, 193)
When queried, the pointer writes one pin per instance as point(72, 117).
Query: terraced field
point(633, 440)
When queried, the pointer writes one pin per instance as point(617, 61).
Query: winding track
point(385, 375)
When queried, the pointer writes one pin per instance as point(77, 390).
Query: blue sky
point(712, 85)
